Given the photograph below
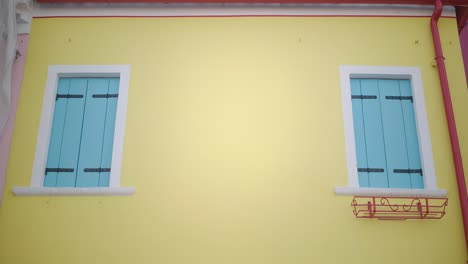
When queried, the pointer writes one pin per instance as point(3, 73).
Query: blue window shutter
point(72, 133)
point(412, 144)
point(359, 134)
point(394, 134)
point(374, 134)
point(109, 127)
point(93, 132)
point(55, 144)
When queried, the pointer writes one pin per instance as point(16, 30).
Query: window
point(80, 140)
point(387, 148)
point(80, 148)
point(388, 145)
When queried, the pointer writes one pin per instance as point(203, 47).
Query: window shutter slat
point(411, 135)
point(56, 135)
point(374, 134)
point(72, 133)
point(359, 134)
point(394, 134)
point(108, 141)
point(92, 136)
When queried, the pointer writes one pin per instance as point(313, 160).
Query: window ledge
point(48, 191)
point(391, 192)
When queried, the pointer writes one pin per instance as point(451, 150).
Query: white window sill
point(48, 191)
point(391, 192)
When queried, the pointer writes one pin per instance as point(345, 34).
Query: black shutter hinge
point(363, 96)
point(105, 95)
point(97, 170)
point(408, 171)
point(389, 97)
point(370, 170)
point(59, 170)
point(68, 96)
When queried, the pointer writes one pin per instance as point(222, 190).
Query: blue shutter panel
point(72, 133)
point(359, 134)
point(56, 135)
point(93, 132)
point(82, 135)
point(394, 134)
point(388, 127)
point(108, 141)
point(412, 144)
point(373, 130)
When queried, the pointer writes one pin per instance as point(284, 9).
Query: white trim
point(425, 146)
point(46, 191)
point(390, 192)
point(48, 106)
point(23, 29)
point(119, 131)
point(241, 9)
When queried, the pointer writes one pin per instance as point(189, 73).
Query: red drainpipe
point(457, 159)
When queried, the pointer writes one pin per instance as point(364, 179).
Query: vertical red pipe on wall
point(457, 159)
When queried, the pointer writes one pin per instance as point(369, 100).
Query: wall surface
point(234, 142)
point(6, 134)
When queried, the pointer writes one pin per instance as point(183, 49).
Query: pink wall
point(464, 45)
point(17, 77)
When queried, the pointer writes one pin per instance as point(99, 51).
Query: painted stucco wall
point(234, 142)
point(6, 135)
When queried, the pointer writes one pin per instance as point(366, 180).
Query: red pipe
point(457, 159)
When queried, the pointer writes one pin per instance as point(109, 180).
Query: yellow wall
point(234, 142)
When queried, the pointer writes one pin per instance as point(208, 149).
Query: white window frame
point(48, 106)
point(425, 147)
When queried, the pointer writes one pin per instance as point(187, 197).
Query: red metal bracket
point(398, 208)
